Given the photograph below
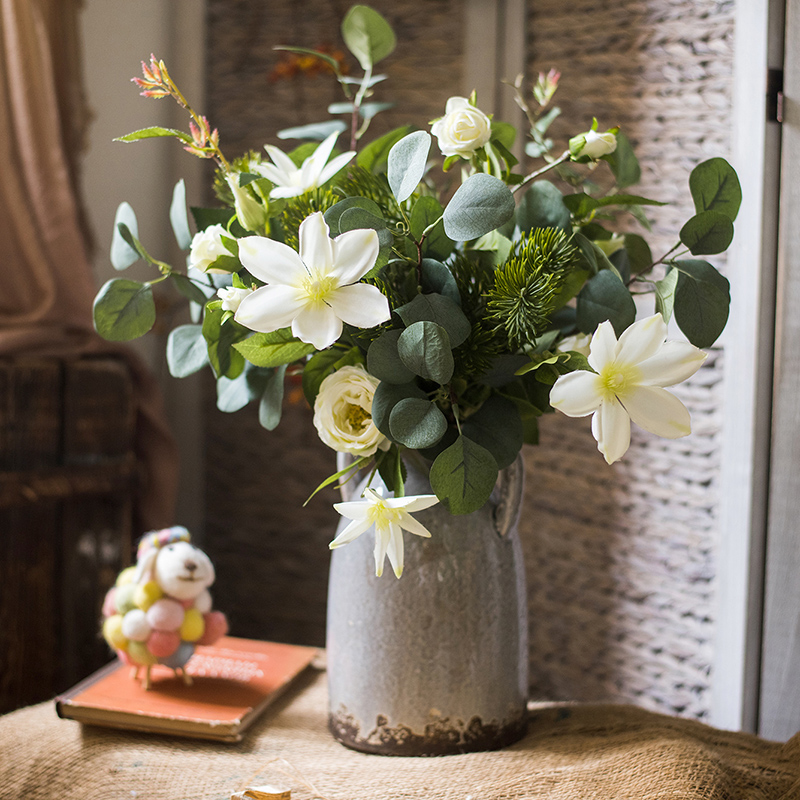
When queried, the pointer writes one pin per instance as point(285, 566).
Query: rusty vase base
point(442, 738)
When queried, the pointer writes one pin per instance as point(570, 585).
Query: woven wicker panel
point(271, 554)
point(622, 559)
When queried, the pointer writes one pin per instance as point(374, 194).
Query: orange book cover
point(233, 681)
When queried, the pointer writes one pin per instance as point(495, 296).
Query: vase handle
point(509, 495)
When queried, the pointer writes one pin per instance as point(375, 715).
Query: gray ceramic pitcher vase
point(435, 662)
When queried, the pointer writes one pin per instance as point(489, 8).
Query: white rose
point(207, 247)
point(463, 129)
point(232, 297)
point(343, 412)
point(593, 145)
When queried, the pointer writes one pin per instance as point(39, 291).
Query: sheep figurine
point(158, 610)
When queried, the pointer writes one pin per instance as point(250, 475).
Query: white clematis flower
point(314, 291)
point(628, 385)
point(390, 516)
point(291, 180)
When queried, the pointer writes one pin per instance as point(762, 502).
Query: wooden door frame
point(749, 343)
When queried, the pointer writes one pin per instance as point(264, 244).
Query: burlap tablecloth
point(576, 751)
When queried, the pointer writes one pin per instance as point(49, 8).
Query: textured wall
point(621, 560)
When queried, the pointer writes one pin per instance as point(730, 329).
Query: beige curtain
point(46, 284)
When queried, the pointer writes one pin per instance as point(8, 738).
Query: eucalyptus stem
point(528, 178)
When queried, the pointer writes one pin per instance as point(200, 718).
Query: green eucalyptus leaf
point(437, 244)
point(481, 204)
point(368, 36)
point(220, 335)
point(407, 160)
point(715, 186)
point(328, 59)
point(178, 217)
point(122, 253)
point(605, 297)
point(665, 294)
point(639, 256)
point(707, 233)
point(187, 351)
point(463, 476)
point(542, 206)
point(273, 349)
point(497, 426)
point(417, 423)
point(384, 362)
point(386, 397)
point(436, 277)
point(375, 156)
point(392, 470)
point(315, 131)
point(334, 214)
point(441, 310)
point(623, 163)
point(317, 368)
point(154, 132)
point(206, 217)
point(124, 310)
point(271, 404)
point(702, 301)
point(188, 288)
point(425, 349)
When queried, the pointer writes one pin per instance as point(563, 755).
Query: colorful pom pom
point(162, 644)
point(139, 654)
point(180, 656)
point(216, 626)
point(165, 615)
point(193, 626)
point(146, 594)
point(109, 606)
point(123, 598)
point(135, 625)
point(112, 632)
point(203, 602)
point(126, 576)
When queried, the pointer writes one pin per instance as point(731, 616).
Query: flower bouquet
point(435, 299)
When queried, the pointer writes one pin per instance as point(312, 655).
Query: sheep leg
point(147, 683)
point(134, 673)
point(187, 678)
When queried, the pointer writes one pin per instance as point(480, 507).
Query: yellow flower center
point(617, 380)
point(382, 514)
point(318, 289)
point(357, 418)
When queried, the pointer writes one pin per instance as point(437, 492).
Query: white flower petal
point(335, 165)
point(281, 192)
point(313, 165)
point(407, 522)
point(272, 173)
point(361, 305)
point(658, 411)
point(455, 104)
point(316, 247)
point(673, 363)
point(381, 543)
point(602, 350)
point(351, 532)
point(283, 163)
point(611, 427)
point(271, 261)
point(353, 509)
point(395, 549)
point(317, 325)
point(641, 340)
point(413, 502)
point(576, 394)
point(354, 254)
point(269, 308)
